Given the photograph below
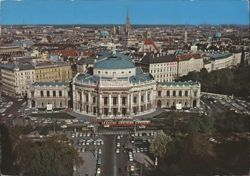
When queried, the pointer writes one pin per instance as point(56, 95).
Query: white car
point(132, 168)
point(87, 122)
point(118, 144)
point(117, 150)
point(2, 110)
point(98, 171)
point(64, 126)
point(10, 115)
point(131, 159)
point(90, 126)
point(99, 151)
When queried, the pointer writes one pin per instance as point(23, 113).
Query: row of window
point(48, 93)
point(25, 73)
point(114, 72)
point(175, 93)
point(163, 70)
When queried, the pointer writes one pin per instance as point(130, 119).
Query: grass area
point(59, 115)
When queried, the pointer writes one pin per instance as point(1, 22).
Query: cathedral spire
point(128, 25)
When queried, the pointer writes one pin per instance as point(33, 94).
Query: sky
point(115, 11)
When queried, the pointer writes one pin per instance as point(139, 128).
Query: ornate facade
point(186, 94)
point(55, 93)
point(117, 88)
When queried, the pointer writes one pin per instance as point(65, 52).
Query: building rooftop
point(180, 84)
point(151, 59)
point(218, 55)
point(50, 64)
point(86, 61)
point(23, 66)
point(114, 61)
point(93, 79)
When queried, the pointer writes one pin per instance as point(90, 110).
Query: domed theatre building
point(116, 88)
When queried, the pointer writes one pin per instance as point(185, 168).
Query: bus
point(125, 123)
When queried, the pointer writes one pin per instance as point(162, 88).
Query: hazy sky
point(114, 11)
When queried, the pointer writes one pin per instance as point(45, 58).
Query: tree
point(159, 145)
point(52, 157)
point(199, 152)
point(7, 158)
point(202, 124)
point(44, 131)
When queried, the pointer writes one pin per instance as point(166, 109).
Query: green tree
point(159, 146)
point(44, 131)
point(202, 124)
point(52, 157)
point(197, 154)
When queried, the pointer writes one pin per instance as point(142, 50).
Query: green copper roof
point(114, 61)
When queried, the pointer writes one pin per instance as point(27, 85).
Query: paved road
point(122, 157)
point(213, 108)
point(17, 105)
point(89, 166)
point(108, 164)
point(92, 119)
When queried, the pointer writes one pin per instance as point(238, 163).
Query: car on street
point(117, 150)
point(99, 151)
point(98, 171)
point(132, 168)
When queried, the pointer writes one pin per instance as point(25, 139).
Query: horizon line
point(122, 24)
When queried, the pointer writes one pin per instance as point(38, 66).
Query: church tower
point(128, 25)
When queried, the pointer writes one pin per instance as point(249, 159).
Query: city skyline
point(192, 12)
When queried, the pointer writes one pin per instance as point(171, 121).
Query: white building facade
point(223, 60)
point(16, 79)
point(56, 94)
point(119, 89)
point(116, 88)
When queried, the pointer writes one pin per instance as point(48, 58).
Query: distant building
point(128, 24)
point(185, 36)
point(162, 67)
point(7, 53)
point(56, 94)
point(188, 63)
point(186, 94)
point(171, 67)
point(149, 46)
point(220, 60)
point(84, 64)
point(53, 72)
point(16, 79)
